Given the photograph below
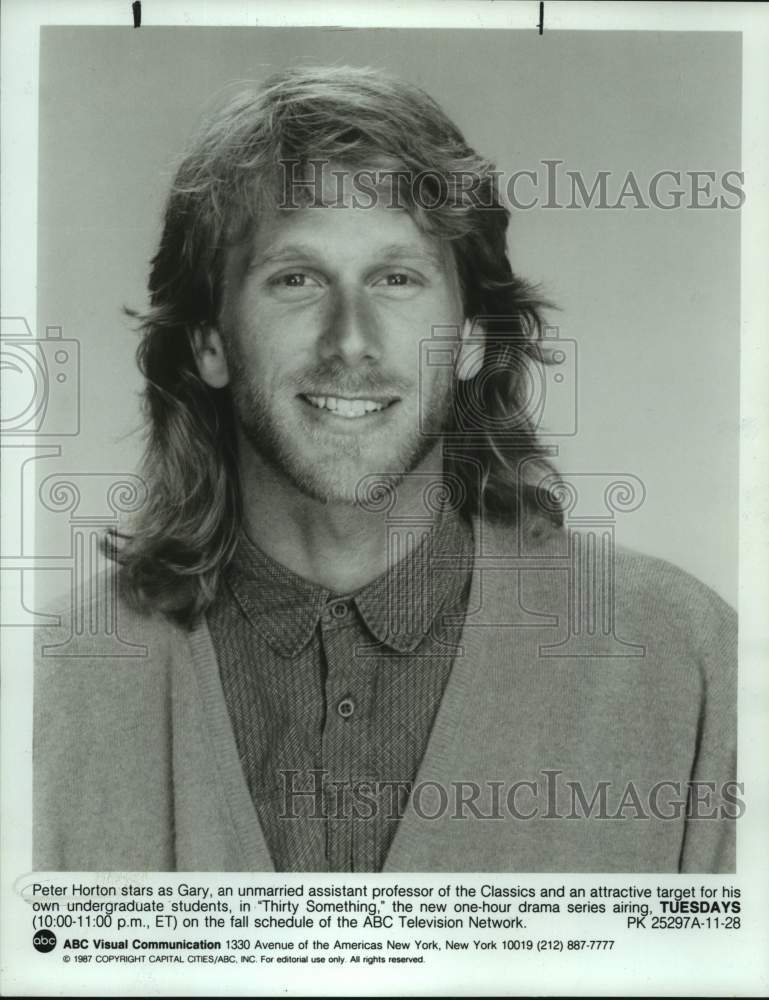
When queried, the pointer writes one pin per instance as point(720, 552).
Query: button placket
point(349, 689)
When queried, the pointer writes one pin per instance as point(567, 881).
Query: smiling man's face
point(322, 318)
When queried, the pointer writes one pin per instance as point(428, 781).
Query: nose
point(350, 330)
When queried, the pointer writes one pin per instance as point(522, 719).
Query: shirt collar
point(428, 578)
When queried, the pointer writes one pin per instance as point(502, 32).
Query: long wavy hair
point(233, 171)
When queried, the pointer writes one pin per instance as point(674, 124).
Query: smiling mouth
point(350, 408)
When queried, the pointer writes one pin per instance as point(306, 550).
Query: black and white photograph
point(377, 443)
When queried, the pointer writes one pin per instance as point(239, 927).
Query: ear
point(210, 357)
point(471, 350)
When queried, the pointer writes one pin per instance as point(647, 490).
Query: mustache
point(339, 380)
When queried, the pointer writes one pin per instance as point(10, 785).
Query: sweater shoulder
point(659, 580)
point(94, 624)
point(653, 594)
point(640, 576)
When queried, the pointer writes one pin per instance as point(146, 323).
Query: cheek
point(275, 331)
point(251, 337)
point(268, 366)
point(440, 308)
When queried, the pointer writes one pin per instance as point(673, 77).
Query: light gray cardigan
point(136, 768)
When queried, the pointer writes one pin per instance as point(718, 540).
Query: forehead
point(345, 233)
point(330, 183)
point(341, 211)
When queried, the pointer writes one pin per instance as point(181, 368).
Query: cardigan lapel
point(467, 723)
point(217, 826)
point(443, 752)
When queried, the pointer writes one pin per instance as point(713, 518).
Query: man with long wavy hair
point(351, 577)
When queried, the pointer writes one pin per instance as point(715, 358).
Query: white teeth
point(346, 407)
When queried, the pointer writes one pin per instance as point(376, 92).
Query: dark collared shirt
point(332, 698)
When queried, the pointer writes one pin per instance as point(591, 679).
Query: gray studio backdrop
point(650, 297)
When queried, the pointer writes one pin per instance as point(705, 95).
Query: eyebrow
point(405, 251)
point(391, 252)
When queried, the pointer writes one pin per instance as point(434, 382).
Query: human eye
point(294, 279)
point(294, 284)
point(399, 279)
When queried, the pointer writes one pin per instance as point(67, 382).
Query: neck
point(339, 546)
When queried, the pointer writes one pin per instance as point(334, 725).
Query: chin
point(344, 471)
point(363, 487)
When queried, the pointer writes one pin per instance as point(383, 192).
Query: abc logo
point(44, 941)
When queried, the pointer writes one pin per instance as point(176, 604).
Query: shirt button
point(346, 707)
point(339, 609)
